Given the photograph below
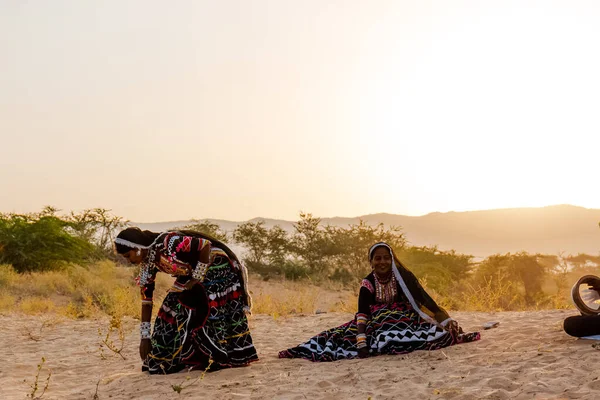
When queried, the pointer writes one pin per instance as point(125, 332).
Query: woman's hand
point(453, 328)
point(363, 352)
point(145, 348)
point(190, 284)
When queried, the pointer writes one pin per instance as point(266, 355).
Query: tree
point(208, 228)
point(559, 267)
point(531, 273)
point(350, 245)
point(278, 245)
point(253, 236)
point(441, 269)
point(520, 268)
point(96, 226)
point(311, 244)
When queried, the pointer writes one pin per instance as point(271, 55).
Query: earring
point(139, 252)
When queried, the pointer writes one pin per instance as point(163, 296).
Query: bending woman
point(395, 315)
point(202, 322)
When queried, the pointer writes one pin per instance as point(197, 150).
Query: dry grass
point(283, 298)
point(76, 292)
point(7, 302)
point(36, 305)
point(348, 303)
point(105, 288)
point(279, 303)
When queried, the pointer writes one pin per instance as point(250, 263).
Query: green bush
point(343, 275)
point(37, 242)
point(294, 270)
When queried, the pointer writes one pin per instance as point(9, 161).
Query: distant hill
point(550, 230)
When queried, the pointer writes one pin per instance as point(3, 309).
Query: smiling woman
point(395, 315)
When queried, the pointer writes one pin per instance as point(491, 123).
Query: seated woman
point(395, 315)
point(202, 322)
point(586, 296)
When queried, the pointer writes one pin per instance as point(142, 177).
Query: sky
point(239, 109)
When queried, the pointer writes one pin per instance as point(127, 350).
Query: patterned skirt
point(393, 329)
point(202, 328)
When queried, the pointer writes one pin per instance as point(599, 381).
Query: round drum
point(586, 295)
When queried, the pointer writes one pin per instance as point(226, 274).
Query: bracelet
point(200, 271)
point(177, 287)
point(145, 328)
point(361, 340)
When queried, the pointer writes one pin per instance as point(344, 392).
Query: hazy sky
point(237, 109)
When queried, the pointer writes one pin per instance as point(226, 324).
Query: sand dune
point(527, 356)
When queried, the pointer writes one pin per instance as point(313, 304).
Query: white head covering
point(129, 244)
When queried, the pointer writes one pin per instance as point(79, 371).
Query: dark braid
point(215, 242)
point(137, 236)
point(146, 238)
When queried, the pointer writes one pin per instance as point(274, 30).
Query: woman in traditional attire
point(395, 315)
point(202, 321)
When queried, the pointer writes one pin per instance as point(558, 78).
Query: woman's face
point(381, 261)
point(134, 256)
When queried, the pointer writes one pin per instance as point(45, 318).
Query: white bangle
point(145, 329)
point(200, 271)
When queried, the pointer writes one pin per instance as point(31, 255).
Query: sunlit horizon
point(297, 215)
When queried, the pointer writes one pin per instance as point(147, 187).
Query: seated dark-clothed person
point(586, 296)
point(395, 316)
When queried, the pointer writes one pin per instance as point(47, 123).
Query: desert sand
point(527, 356)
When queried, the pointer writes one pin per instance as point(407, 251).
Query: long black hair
point(137, 236)
point(146, 238)
point(214, 241)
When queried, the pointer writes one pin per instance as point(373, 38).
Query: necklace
point(385, 291)
point(385, 280)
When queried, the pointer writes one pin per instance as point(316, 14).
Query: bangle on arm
point(145, 328)
point(361, 319)
point(361, 340)
point(200, 271)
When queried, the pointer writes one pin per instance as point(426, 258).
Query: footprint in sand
point(594, 385)
point(502, 383)
point(324, 384)
point(498, 395)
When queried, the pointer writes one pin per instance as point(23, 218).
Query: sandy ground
point(527, 356)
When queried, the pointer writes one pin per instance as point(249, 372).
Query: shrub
point(37, 242)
